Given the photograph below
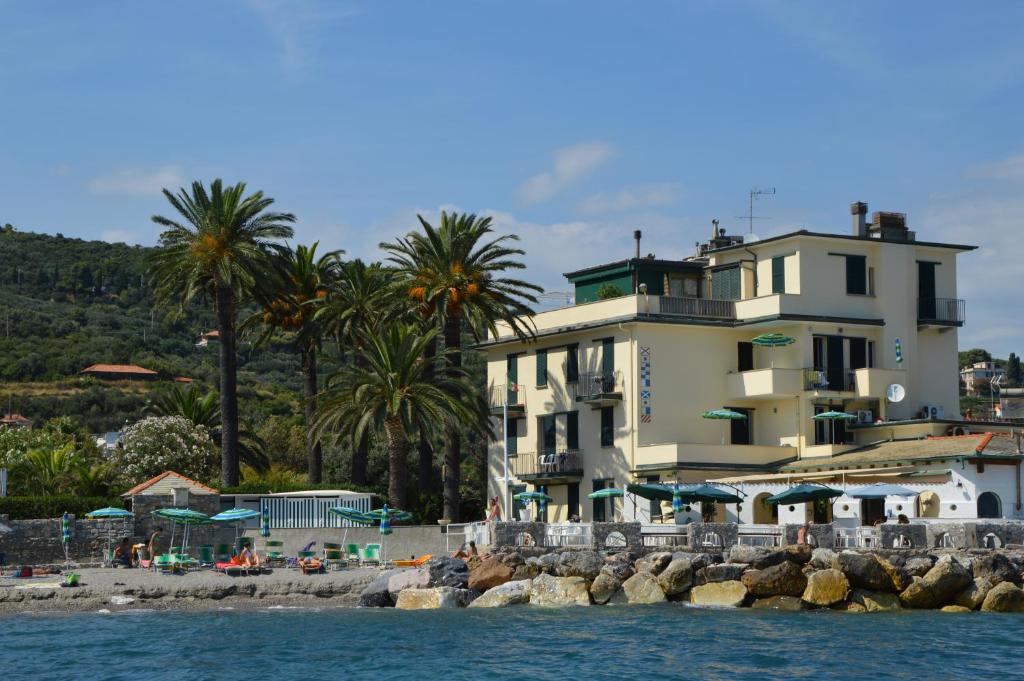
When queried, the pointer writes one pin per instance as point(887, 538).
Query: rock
point(509, 593)
point(121, 600)
point(821, 559)
point(899, 578)
point(939, 585)
point(621, 570)
point(974, 595)
point(998, 567)
point(643, 588)
point(1004, 597)
point(585, 564)
point(729, 594)
point(677, 578)
point(428, 599)
point(876, 601)
point(954, 608)
point(653, 563)
point(549, 591)
point(784, 579)
point(448, 571)
point(604, 587)
point(826, 588)
point(526, 571)
point(863, 571)
point(798, 553)
point(697, 560)
point(418, 578)
point(548, 563)
point(724, 572)
point(376, 594)
point(789, 603)
point(849, 606)
point(917, 567)
point(491, 572)
point(758, 557)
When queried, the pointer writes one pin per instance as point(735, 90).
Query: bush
point(30, 508)
point(157, 444)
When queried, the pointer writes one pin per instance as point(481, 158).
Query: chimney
point(636, 265)
point(859, 211)
point(636, 237)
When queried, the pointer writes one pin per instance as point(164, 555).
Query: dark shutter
point(741, 429)
point(512, 441)
point(725, 283)
point(745, 356)
point(858, 353)
point(607, 426)
point(512, 378)
point(572, 363)
point(608, 356)
point(599, 504)
point(547, 428)
point(926, 307)
point(572, 430)
point(542, 367)
point(779, 274)
point(574, 499)
point(856, 274)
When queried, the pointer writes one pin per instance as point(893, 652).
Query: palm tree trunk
point(310, 387)
point(228, 388)
point(452, 432)
point(360, 449)
point(398, 460)
point(426, 449)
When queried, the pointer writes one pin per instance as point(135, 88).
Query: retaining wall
point(403, 542)
point(37, 542)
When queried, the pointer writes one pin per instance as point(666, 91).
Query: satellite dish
point(895, 393)
point(751, 238)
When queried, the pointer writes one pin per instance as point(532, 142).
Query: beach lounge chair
point(352, 554)
point(274, 553)
point(416, 562)
point(221, 553)
point(206, 555)
point(370, 555)
point(311, 565)
point(333, 557)
point(185, 562)
point(165, 564)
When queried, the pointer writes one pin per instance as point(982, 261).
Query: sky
point(570, 123)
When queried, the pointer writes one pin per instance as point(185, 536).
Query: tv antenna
point(754, 193)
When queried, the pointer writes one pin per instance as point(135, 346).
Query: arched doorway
point(989, 505)
point(928, 504)
point(765, 513)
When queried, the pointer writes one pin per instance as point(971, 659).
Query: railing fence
point(311, 512)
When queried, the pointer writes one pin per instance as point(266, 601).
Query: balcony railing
point(500, 395)
point(837, 379)
point(698, 307)
point(552, 464)
point(598, 386)
point(941, 310)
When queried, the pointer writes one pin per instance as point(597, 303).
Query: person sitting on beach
point(123, 553)
point(802, 533)
point(248, 558)
point(151, 544)
point(466, 551)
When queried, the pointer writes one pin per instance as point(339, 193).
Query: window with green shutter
point(572, 430)
point(725, 283)
point(542, 368)
point(512, 439)
point(857, 274)
point(547, 429)
point(572, 363)
point(779, 274)
point(607, 426)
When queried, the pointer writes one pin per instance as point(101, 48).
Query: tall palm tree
point(390, 394)
point(454, 274)
point(219, 249)
point(290, 300)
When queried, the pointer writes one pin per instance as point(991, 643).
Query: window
point(547, 433)
point(574, 500)
point(742, 430)
point(607, 426)
point(608, 356)
point(725, 283)
point(512, 379)
point(745, 356)
point(542, 368)
point(779, 274)
point(856, 275)
point(572, 430)
point(572, 363)
point(512, 437)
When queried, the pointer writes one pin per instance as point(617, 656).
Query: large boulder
point(788, 603)
point(641, 588)
point(863, 571)
point(723, 572)
point(938, 587)
point(528, 570)
point(821, 558)
point(548, 563)
point(826, 588)
point(697, 560)
point(416, 578)
point(620, 569)
point(1004, 597)
point(447, 571)
point(800, 554)
point(998, 567)
point(548, 591)
point(729, 594)
point(677, 578)
point(376, 594)
point(974, 595)
point(876, 601)
point(428, 599)
point(784, 579)
point(653, 563)
point(489, 573)
point(917, 566)
point(585, 564)
point(504, 595)
point(604, 587)
point(755, 556)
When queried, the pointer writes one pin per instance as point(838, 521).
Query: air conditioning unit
point(933, 411)
point(865, 416)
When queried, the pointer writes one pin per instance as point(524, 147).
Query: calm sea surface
point(656, 642)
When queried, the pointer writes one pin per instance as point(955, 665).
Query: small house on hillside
point(169, 489)
point(207, 338)
point(120, 372)
point(14, 420)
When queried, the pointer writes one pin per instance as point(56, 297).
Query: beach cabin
point(170, 489)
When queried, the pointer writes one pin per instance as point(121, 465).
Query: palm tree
point(454, 275)
point(220, 249)
point(290, 300)
point(390, 394)
point(204, 410)
point(45, 472)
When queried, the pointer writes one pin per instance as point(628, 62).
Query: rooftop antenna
point(754, 193)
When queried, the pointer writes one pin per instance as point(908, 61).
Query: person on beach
point(468, 552)
point(123, 554)
point(151, 544)
point(802, 533)
point(902, 519)
point(248, 558)
point(494, 514)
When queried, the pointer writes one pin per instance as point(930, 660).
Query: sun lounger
point(311, 566)
point(370, 555)
point(236, 570)
point(206, 555)
point(352, 554)
point(417, 562)
point(274, 554)
point(164, 564)
point(334, 559)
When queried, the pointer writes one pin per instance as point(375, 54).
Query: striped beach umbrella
point(109, 513)
point(385, 521)
point(677, 500)
point(65, 533)
point(607, 493)
point(265, 522)
point(772, 340)
point(236, 516)
point(384, 517)
point(352, 515)
point(834, 416)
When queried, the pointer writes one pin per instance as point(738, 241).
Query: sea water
point(524, 643)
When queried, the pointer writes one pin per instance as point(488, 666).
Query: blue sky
point(572, 123)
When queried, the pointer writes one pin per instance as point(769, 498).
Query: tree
point(390, 394)
point(220, 250)
point(290, 300)
point(1014, 375)
point(160, 443)
point(45, 472)
point(453, 275)
point(607, 291)
point(973, 356)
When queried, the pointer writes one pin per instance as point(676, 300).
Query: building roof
point(11, 419)
point(167, 481)
point(182, 379)
point(212, 334)
point(675, 265)
point(847, 237)
point(917, 451)
point(126, 369)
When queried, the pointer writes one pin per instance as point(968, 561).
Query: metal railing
point(498, 395)
point(941, 310)
point(592, 386)
point(839, 379)
point(459, 534)
point(857, 538)
point(698, 307)
point(760, 535)
point(665, 535)
point(311, 512)
point(548, 463)
point(568, 534)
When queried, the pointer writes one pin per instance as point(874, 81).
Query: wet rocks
point(604, 587)
point(507, 594)
point(730, 594)
point(433, 598)
point(787, 603)
point(416, 578)
point(448, 571)
point(876, 601)
point(548, 591)
point(783, 579)
point(1004, 597)
point(641, 588)
point(826, 588)
point(376, 593)
point(974, 595)
point(677, 578)
point(938, 587)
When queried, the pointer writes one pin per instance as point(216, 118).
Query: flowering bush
point(160, 443)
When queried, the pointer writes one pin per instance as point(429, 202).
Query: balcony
point(553, 467)
point(671, 455)
point(830, 379)
point(875, 382)
point(940, 311)
point(500, 395)
point(697, 307)
point(764, 384)
point(601, 389)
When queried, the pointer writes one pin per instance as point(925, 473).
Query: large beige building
point(612, 391)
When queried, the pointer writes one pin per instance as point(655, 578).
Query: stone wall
point(940, 534)
point(1006, 532)
point(506, 533)
point(144, 505)
point(630, 531)
point(713, 536)
point(903, 536)
point(824, 535)
point(37, 542)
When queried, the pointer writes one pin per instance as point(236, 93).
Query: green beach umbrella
point(772, 340)
point(538, 495)
point(186, 517)
point(803, 492)
point(834, 416)
point(677, 500)
point(607, 493)
point(236, 516)
point(352, 515)
point(723, 415)
point(109, 513)
point(265, 522)
point(65, 534)
point(384, 516)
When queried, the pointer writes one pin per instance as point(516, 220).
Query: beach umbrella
point(352, 515)
point(65, 534)
point(772, 340)
point(384, 516)
point(236, 516)
point(538, 495)
point(803, 492)
point(184, 516)
point(265, 522)
point(833, 416)
point(880, 490)
point(723, 415)
point(607, 493)
point(109, 513)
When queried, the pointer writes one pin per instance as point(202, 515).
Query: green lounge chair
point(164, 564)
point(185, 562)
point(352, 554)
point(222, 553)
point(274, 551)
point(206, 555)
point(370, 555)
point(334, 559)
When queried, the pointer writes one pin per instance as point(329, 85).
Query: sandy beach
point(129, 589)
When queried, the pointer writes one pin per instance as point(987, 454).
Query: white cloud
point(631, 198)
point(294, 26)
point(1011, 169)
point(137, 183)
point(570, 164)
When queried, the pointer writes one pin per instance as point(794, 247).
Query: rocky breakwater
point(788, 578)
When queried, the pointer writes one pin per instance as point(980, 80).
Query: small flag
point(899, 352)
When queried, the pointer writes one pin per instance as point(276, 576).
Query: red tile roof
point(152, 481)
point(128, 369)
point(14, 418)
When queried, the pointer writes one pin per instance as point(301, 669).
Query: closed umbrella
point(677, 500)
point(724, 415)
point(880, 490)
point(772, 340)
point(236, 516)
point(802, 493)
point(109, 513)
point(265, 522)
point(833, 416)
point(65, 534)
